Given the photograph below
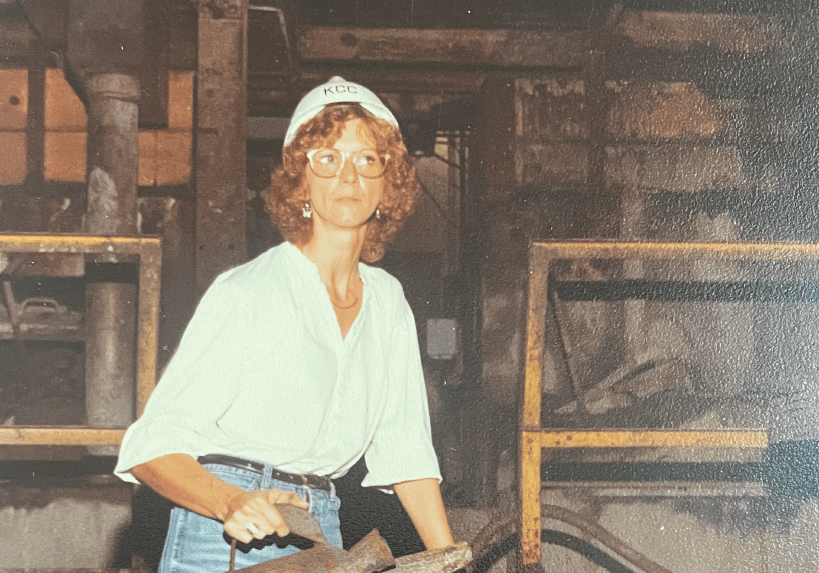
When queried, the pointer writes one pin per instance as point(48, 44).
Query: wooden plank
point(502, 48)
point(173, 157)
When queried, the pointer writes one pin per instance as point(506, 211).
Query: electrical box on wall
point(442, 338)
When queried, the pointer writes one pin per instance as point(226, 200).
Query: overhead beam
point(380, 78)
point(677, 32)
point(470, 48)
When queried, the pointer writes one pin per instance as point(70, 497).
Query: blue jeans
point(197, 544)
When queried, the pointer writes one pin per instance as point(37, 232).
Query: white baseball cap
point(337, 90)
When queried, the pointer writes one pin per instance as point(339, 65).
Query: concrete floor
point(82, 528)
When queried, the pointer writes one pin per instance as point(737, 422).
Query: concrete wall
point(75, 526)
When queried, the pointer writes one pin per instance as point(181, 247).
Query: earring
point(307, 210)
point(378, 214)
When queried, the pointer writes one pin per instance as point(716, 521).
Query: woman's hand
point(253, 514)
point(244, 514)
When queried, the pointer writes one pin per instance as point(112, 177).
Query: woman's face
point(346, 200)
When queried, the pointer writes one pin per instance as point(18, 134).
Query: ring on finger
point(252, 528)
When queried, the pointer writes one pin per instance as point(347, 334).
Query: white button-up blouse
point(262, 372)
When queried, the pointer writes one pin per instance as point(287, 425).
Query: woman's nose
point(348, 172)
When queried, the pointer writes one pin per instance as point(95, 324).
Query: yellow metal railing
point(148, 252)
point(535, 438)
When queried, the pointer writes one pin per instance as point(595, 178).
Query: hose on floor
point(507, 521)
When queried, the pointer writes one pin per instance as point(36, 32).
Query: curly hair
point(285, 197)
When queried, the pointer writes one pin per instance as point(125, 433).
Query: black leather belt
point(307, 480)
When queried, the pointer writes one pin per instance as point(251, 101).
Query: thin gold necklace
point(338, 306)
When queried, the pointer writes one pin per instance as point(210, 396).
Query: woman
point(300, 362)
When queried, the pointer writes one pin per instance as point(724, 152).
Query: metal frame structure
point(148, 251)
point(534, 438)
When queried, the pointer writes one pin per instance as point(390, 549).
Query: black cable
point(588, 528)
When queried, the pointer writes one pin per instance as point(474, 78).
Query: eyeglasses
point(327, 163)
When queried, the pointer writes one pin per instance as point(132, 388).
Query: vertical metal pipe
point(111, 296)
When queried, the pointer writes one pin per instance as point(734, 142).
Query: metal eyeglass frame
point(344, 155)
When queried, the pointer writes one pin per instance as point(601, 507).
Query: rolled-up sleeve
point(201, 381)
point(401, 449)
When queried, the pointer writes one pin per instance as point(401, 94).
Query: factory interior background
point(543, 133)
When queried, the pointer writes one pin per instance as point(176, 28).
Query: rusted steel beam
point(59, 436)
point(663, 489)
point(220, 132)
point(535, 337)
point(648, 438)
point(501, 48)
point(383, 78)
point(86, 244)
point(530, 518)
point(678, 251)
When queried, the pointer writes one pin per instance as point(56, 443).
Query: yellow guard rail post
point(148, 251)
point(534, 438)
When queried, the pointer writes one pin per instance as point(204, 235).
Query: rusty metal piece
point(370, 554)
point(302, 523)
point(319, 559)
point(42, 318)
point(444, 560)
